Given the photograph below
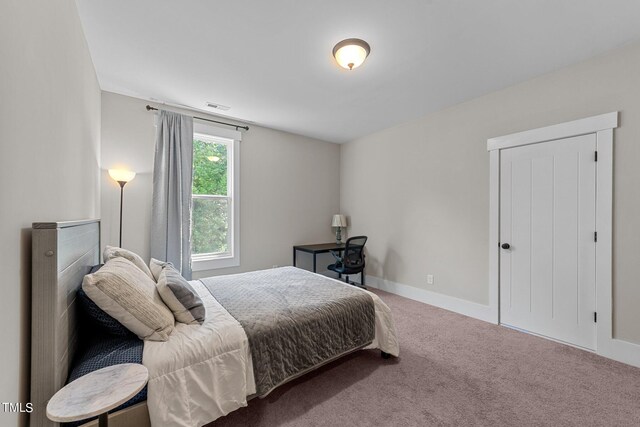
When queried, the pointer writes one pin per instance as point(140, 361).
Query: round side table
point(97, 393)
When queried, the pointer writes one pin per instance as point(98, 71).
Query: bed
point(203, 371)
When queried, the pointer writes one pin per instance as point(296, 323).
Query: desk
point(317, 249)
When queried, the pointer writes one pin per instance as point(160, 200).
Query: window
point(214, 214)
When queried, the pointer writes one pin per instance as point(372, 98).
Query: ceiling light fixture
point(351, 53)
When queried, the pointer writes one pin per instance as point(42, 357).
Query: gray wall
point(289, 187)
point(49, 155)
point(420, 190)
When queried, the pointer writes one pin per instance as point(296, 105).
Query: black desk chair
point(352, 259)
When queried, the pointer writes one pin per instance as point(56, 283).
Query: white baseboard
point(457, 305)
point(622, 351)
point(611, 348)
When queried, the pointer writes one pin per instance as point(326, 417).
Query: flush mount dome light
point(351, 53)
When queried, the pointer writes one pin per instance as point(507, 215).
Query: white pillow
point(125, 293)
point(111, 252)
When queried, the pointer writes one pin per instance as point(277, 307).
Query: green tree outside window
point(211, 205)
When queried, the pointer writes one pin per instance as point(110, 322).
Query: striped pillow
point(177, 293)
point(96, 316)
point(111, 252)
point(128, 295)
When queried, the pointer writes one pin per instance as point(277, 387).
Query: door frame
point(602, 126)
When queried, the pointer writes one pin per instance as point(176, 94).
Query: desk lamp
point(339, 221)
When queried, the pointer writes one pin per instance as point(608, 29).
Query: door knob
point(506, 246)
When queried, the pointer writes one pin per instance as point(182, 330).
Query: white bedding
point(204, 371)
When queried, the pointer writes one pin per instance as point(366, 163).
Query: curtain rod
point(149, 108)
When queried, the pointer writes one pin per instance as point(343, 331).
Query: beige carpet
point(455, 371)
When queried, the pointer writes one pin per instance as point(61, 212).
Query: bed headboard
point(62, 253)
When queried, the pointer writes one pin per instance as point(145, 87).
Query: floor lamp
point(121, 177)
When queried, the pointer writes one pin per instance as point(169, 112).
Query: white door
point(547, 237)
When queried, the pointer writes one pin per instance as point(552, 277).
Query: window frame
point(203, 262)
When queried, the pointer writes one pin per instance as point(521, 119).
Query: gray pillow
point(156, 267)
point(178, 294)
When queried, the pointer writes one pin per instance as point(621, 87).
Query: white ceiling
point(271, 62)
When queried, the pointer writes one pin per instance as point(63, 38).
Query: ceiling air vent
point(217, 106)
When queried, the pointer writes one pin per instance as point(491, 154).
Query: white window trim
point(216, 261)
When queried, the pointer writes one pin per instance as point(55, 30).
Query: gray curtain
point(172, 181)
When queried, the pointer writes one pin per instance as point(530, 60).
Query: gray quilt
point(295, 320)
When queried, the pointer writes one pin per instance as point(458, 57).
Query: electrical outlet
point(429, 279)
point(275, 266)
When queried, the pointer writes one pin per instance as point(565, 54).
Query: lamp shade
point(339, 221)
point(121, 175)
